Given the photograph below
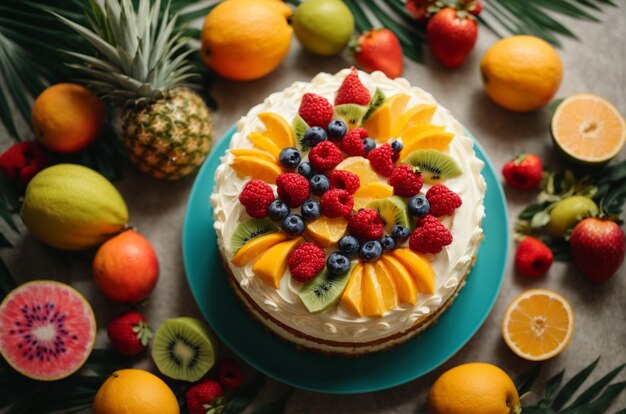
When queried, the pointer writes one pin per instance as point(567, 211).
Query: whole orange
point(67, 117)
point(126, 268)
point(246, 39)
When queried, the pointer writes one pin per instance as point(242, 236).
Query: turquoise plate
point(316, 372)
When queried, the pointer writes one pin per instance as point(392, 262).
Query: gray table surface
point(595, 64)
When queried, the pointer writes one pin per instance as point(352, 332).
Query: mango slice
point(407, 289)
point(272, 264)
point(253, 152)
point(264, 143)
point(417, 115)
point(325, 231)
point(252, 166)
point(419, 268)
point(255, 247)
point(351, 298)
point(278, 129)
point(431, 139)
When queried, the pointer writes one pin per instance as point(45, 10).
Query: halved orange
point(588, 129)
point(361, 167)
point(278, 129)
point(538, 325)
point(325, 231)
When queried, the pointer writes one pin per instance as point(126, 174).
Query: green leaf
point(600, 405)
point(551, 386)
point(525, 381)
point(593, 390)
point(244, 396)
point(540, 219)
point(530, 211)
point(572, 385)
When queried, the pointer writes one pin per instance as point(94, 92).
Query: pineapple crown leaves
point(138, 54)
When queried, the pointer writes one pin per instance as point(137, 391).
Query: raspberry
point(292, 188)
point(406, 182)
point(366, 224)
point(229, 373)
point(306, 261)
point(256, 197)
point(325, 156)
point(315, 110)
point(352, 142)
point(352, 90)
point(533, 258)
point(336, 203)
point(442, 201)
point(381, 161)
point(344, 180)
point(429, 236)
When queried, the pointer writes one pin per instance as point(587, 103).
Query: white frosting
point(336, 324)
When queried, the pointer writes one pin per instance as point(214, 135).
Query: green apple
point(323, 27)
point(569, 211)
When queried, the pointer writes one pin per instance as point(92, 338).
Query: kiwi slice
point(324, 290)
point(392, 210)
point(248, 230)
point(352, 114)
point(377, 101)
point(299, 128)
point(184, 349)
point(434, 165)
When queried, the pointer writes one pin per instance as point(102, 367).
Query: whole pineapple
point(166, 128)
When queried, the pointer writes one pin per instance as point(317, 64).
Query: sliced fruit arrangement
point(331, 222)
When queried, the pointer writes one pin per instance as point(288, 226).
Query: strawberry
point(421, 9)
point(474, 7)
point(379, 49)
point(598, 248)
point(129, 333)
point(352, 90)
point(452, 35)
point(532, 257)
point(523, 172)
point(205, 397)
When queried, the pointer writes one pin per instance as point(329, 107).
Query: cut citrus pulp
point(538, 325)
point(361, 167)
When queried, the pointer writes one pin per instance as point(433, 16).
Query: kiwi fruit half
point(352, 114)
point(392, 210)
point(377, 101)
point(248, 230)
point(324, 290)
point(183, 349)
point(434, 165)
point(299, 128)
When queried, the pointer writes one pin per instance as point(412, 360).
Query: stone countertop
point(594, 64)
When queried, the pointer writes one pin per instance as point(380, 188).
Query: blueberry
point(388, 242)
point(396, 146)
point(293, 225)
point(337, 263)
point(368, 144)
point(370, 251)
point(336, 129)
point(305, 170)
point(278, 210)
point(418, 206)
point(319, 184)
point(310, 210)
point(289, 157)
point(348, 244)
point(314, 136)
point(400, 233)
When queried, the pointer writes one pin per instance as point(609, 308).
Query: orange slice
point(278, 129)
point(253, 152)
point(264, 143)
point(416, 131)
point(588, 129)
point(372, 191)
point(379, 291)
point(419, 268)
point(251, 166)
point(272, 264)
point(352, 299)
point(361, 167)
point(255, 247)
point(431, 139)
point(326, 231)
point(407, 290)
point(379, 125)
point(538, 325)
point(417, 115)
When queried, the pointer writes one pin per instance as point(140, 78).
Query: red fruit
point(352, 90)
point(129, 333)
point(406, 181)
point(533, 258)
point(366, 224)
point(336, 203)
point(22, 161)
point(381, 159)
point(315, 110)
point(256, 197)
point(429, 236)
point(420, 9)
point(475, 7)
point(379, 49)
point(523, 172)
point(451, 35)
point(598, 248)
point(344, 180)
point(229, 374)
point(306, 261)
point(442, 200)
point(292, 188)
point(325, 156)
point(204, 397)
point(352, 142)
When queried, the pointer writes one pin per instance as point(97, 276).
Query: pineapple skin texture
point(170, 138)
